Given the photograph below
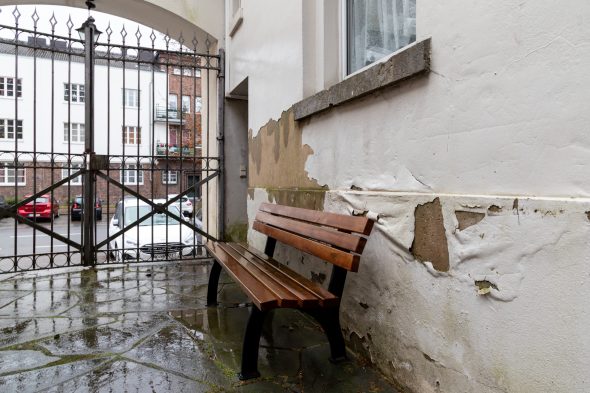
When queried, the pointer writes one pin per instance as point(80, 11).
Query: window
point(65, 172)
point(7, 176)
point(132, 175)
point(7, 130)
point(176, 71)
point(7, 87)
point(172, 102)
point(77, 133)
point(198, 104)
point(187, 72)
point(197, 73)
point(186, 104)
point(377, 28)
point(170, 177)
point(74, 92)
point(131, 98)
point(131, 135)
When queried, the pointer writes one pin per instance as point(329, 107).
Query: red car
point(42, 207)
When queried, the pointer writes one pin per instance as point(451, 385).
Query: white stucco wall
point(500, 117)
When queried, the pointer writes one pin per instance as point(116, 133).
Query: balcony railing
point(163, 149)
point(171, 115)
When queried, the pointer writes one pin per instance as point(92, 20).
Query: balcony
point(168, 115)
point(170, 150)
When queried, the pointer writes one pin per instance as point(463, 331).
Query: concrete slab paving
point(139, 328)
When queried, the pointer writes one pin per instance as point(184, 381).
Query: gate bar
point(221, 144)
point(89, 216)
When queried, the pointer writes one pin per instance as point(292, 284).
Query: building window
point(376, 28)
point(131, 135)
point(186, 104)
point(131, 98)
point(187, 72)
point(132, 175)
point(7, 176)
point(198, 104)
point(197, 73)
point(65, 172)
point(176, 71)
point(170, 177)
point(74, 92)
point(74, 133)
point(172, 102)
point(7, 87)
point(7, 130)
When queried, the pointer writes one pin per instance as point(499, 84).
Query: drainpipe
point(220, 143)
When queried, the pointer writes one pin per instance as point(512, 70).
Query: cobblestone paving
point(147, 329)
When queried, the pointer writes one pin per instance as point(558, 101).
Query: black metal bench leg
point(251, 344)
point(330, 322)
point(213, 284)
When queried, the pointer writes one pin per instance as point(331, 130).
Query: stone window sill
point(406, 63)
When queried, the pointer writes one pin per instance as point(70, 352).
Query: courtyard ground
point(146, 328)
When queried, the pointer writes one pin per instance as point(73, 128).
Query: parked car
point(158, 237)
point(42, 207)
point(184, 205)
point(77, 208)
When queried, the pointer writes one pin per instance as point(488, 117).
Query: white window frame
point(65, 172)
point(4, 127)
point(185, 108)
point(136, 135)
point(170, 177)
point(130, 101)
point(344, 45)
point(78, 88)
point(16, 87)
point(176, 71)
point(187, 72)
point(75, 129)
point(137, 175)
point(197, 73)
point(4, 171)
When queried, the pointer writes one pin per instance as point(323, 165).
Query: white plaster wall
point(502, 112)
point(267, 49)
point(502, 115)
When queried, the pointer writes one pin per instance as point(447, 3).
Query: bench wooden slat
point(346, 223)
point(337, 257)
point(285, 295)
point(261, 296)
point(327, 299)
point(344, 240)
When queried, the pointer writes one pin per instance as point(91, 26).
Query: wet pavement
point(145, 328)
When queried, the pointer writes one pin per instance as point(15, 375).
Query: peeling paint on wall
point(430, 240)
point(467, 219)
point(278, 155)
point(307, 199)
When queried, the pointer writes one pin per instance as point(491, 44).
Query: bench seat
point(268, 283)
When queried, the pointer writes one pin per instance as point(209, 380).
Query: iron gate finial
point(90, 4)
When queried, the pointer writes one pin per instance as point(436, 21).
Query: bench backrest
point(335, 238)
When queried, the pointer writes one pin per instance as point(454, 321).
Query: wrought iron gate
point(123, 136)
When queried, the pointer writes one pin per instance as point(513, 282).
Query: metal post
point(89, 29)
point(220, 143)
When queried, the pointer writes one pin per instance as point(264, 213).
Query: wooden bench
point(334, 238)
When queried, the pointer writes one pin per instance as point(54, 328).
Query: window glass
point(198, 104)
point(172, 102)
point(131, 98)
point(65, 172)
point(132, 135)
point(7, 130)
point(377, 28)
point(131, 175)
point(186, 104)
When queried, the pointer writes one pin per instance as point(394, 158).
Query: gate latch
point(99, 162)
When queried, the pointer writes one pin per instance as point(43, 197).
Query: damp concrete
point(146, 328)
